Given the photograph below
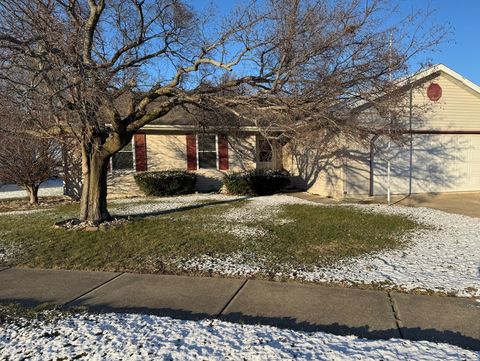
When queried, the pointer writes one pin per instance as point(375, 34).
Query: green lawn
point(295, 234)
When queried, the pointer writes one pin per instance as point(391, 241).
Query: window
point(123, 160)
point(207, 151)
point(264, 150)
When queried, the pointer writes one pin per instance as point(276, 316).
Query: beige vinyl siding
point(357, 174)
point(163, 152)
point(241, 152)
point(241, 157)
point(457, 109)
point(166, 151)
point(324, 178)
point(329, 183)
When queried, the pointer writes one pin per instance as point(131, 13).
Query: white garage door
point(434, 163)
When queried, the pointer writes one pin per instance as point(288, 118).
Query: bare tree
point(102, 69)
point(28, 162)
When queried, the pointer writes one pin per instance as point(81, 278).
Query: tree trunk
point(93, 202)
point(32, 192)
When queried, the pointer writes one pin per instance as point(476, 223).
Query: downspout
point(372, 164)
point(346, 156)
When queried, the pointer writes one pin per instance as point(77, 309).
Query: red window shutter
point(191, 152)
point(140, 140)
point(222, 152)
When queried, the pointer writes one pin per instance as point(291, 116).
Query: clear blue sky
point(461, 52)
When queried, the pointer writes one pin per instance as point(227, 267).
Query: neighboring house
point(441, 153)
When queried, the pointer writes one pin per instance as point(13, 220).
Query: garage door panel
point(440, 163)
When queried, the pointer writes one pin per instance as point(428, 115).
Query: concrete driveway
point(461, 203)
point(467, 203)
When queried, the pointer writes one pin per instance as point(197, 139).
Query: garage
point(440, 149)
point(429, 163)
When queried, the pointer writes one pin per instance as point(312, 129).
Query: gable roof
point(443, 69)
point(406, 82)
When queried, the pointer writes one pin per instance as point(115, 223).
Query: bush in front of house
point(166, 183)
point(257, 182)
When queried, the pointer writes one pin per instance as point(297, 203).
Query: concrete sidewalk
point(343, 311)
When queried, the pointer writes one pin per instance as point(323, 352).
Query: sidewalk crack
point(93, 289)
point(232, 298)
point(396, 314)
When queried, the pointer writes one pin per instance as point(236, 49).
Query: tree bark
point(93, 202)
point(71, 172)
point(32, 192)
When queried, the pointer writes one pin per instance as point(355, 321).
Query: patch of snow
point(232, 265)
point(6, 252)
point(52, 187)
point(135, 337)
point(244, 232)
point(158, 205)
point(236, 221)
point(21, 213)
point(256, 209)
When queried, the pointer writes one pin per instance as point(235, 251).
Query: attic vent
point(434, 92)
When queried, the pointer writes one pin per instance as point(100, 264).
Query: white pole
point(389, 200)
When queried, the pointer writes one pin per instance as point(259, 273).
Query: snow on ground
point(21, 213)
point(143, 337)
point(52, 187)
point(130, 207)
point(445, 257)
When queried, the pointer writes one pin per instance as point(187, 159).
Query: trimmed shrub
point(257, 182)
point(166, 183)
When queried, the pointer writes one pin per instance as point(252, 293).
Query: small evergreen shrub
point(166, 183)
point(257, 182)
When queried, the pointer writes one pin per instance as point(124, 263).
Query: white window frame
point(197, 150)
point(134, 164)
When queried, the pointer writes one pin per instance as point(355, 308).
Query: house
point(440, 151)
point(202, 142)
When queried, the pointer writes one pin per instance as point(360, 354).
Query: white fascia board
point(445, 69)
point(410, 79)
